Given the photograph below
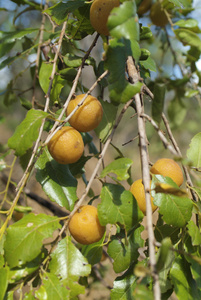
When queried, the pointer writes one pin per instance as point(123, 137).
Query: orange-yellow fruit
point(66, 146)
point(88, 116)
point(137, 189)
point(144, 7)
point(168, 167)
point(85, 227)
point(99, 13)
point(157, 15)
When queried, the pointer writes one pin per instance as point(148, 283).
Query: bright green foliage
point(44, 80)
point(24, 238)
point(36, 255)
point(193, 152)
point(27, 132)
point(176, 210)
point(124, 249)
point(68, 263)
point(53, 178)
point(118, 206)
point(119, 167)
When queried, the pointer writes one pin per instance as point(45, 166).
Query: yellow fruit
point(168, 167)
point(137, 189)
point(66, 146)
point(89, 114)
point(157, 15)
point(99, 13)
point(144, 7)
point(85, 227)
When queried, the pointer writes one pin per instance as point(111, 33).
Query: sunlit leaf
point(24, 238)
point(194, 151)
point(119, 167)
point(176, 210)
point(124, 251)
point(119, 88)
point(27, 132)
point(4, 272)
point(59, 12)
point(69, 264)
point(56, 180)
point(118, 206)
point(123, 286)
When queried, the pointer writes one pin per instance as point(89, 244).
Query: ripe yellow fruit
point(144, 7)
point(137, 189)
point(99, 13)
point(88, 116)
point(66, 146)
point(85, 227)
point(157, 15)
point(168, 167)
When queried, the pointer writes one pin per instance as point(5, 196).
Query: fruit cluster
point(101, 9)
point(67, 146)
point(166, 167)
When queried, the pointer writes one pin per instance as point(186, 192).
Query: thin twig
point(38, 54)
point(101, 156)
point(132, 71)
point(52, 131)
point(31, 161)
point(161, 135)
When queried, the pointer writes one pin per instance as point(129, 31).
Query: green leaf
point(69, 264)
point(187, 37)
point(29, 296)
point(5, 48)
point(108, 120)
point(68, 73)
point(118, 206)
point(24, 238)
point(176, 210)
point(149, 64)
point(192, 24)
point(181, 277)
point(56, 180)
point(93, 252)
point(80, 26)
point(124, 250)
point(74, 61)
point(53, 288)
point(4, 272)
point(176, 112)
point(119, 167)
point(59, 12)
point(145, 33)
point(12, 36)
point(194, 233)
point(44, 80)
point(158, 101)
point(123, 287)
point(27, 132)
point(163, 253)
point(194, 151)
point(119, 88)
point(164, 281)
point(17, 274)
point(123, 21)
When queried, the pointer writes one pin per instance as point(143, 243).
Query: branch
point(101, 156)
point(134, 77)
point(31, 161)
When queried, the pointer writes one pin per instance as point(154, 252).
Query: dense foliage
point(148, 70)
